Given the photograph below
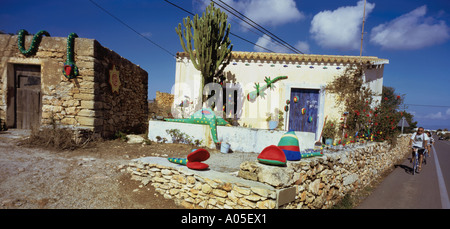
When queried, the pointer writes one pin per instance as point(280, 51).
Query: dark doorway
point(309, 100)
point(24, 99)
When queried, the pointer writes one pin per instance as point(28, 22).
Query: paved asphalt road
point(427, 190)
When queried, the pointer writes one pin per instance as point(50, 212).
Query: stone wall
point(321, 182)
point(201, 189)
point(86, 102)
point(161, 106)
point(126, 110)
point(311, 183)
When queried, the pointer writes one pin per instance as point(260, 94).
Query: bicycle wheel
point(424, 158)
point(415, 163)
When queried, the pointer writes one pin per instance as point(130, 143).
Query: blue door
point(308, 99)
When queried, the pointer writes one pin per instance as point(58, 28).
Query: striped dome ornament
point(272, 155)
point(290, 145)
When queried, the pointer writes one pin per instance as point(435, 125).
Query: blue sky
point(413, 35)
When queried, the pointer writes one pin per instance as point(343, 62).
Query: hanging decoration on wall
point(34, 42)
point(295, 99)
point(260, 90)
point(70, 70)
point(114, 79)
point(310, 119)
point(303, 111)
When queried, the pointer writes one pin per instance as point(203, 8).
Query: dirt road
point(81, 179)
point(92, 177)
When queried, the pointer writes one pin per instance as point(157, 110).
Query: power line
point(265, 31)
point(131, 28)
point(251, 30)
point(231, 33)
point(423, 105)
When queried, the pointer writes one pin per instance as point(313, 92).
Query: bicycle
point(415, 161)
point(425, 155)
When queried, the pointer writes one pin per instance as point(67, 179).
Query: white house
point(307, 76)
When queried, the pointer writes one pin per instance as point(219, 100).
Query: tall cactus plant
point(212, 47)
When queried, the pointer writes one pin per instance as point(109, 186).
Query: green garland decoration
point(260, 89)
point(34, 42)
point(70, 70)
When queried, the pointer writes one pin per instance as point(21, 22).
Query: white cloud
point(265, 12)
point(302, 46)
point(439, 115)
point(266, 42)
point(435, 115)
point(341, 28)
point(410, 31)
point(147, 34)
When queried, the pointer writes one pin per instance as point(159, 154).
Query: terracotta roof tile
point(238, 55)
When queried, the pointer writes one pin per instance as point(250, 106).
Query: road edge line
point(445, 202)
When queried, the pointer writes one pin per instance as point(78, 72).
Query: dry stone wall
point(312, 183)
point(201, 189)
point(320, 182)
point(161, 106)
point(127, 109)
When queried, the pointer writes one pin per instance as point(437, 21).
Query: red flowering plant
point(365, 119)
point(329, 130)
point(388, 115)
point(356, 99)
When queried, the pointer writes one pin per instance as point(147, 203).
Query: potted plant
point(329, 132)
point(275, 121)
point(272, 121)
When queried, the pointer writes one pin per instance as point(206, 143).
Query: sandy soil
point(88, 178)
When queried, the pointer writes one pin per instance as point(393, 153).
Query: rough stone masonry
point(86, 102)
point(311, 183)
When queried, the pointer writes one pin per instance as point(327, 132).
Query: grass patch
point(347, 202)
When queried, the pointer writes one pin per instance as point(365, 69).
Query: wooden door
point(28, 96)
point(308, 99)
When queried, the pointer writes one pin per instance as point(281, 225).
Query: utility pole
point(362, 32)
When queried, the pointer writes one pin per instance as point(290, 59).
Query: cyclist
point(430, 142)
point(419, 140)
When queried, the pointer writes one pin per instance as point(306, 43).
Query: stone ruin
point(87, 102)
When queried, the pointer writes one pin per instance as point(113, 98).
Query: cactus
point(211, 42)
